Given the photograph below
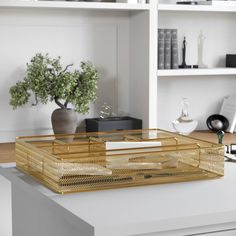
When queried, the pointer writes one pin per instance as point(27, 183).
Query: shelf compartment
point(107, 160)
point(197, 8)
point(197, 72)
point(73, 5)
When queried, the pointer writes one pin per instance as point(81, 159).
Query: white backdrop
point(73, 35)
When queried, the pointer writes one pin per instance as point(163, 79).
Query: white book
point(127, 145)
point(228, 110)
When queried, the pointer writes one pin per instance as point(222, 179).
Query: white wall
point(205, 96)
point(102, 37)
point(205, 93)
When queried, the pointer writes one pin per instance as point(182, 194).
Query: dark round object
point(217, 122)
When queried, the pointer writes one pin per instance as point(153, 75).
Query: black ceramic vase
point(64, 121)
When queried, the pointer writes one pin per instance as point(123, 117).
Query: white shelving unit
point(195, 8)
point(122, 41)
point(197, 72)
point(119, 38)
point(205, 88)
point(72, 5)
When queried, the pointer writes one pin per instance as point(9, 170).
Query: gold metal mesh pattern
point(86, 161)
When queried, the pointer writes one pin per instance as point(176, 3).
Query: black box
point(112, 123)
point(230, 60)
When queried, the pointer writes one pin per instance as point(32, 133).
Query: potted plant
point(48, 80)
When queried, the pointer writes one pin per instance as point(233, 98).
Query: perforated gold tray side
point(81, 162)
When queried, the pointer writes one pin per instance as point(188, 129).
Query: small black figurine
point(187, 2)
point(184, 65)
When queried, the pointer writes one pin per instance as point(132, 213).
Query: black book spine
point(167, 49)
point(174, 49)
point(160, 49)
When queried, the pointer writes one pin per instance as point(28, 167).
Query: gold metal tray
point(95, 161)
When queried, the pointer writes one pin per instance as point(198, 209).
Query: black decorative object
point(231, 60)
point(112, 123)
point(184, 65)
point(187, 2)
point(217, 122)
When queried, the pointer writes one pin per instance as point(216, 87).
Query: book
point(167, 48)
point(174, 49)
point(160, 49)
point(228, 110)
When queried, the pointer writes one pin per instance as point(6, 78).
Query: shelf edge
point(74, 5)
point(196, 72)
point(196, 8)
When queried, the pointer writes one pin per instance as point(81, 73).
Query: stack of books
point(168, 49)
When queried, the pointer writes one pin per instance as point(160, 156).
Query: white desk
point(169, 209)
point(5, 203)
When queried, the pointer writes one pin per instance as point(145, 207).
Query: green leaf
point(49, 80)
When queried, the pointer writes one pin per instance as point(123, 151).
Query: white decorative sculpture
point(200, 45)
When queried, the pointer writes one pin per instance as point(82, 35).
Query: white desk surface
point(148, 208)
